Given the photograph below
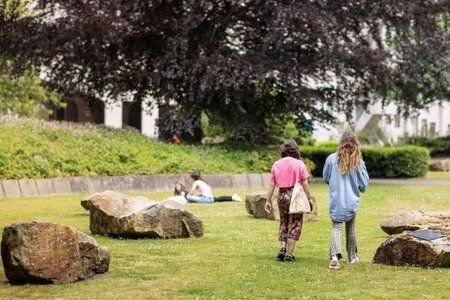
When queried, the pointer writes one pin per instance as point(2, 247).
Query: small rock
point(439, 164)
point(42, 252)
point(254, 203)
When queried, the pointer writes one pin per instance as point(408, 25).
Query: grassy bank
point(37, 149)
point(235, 258)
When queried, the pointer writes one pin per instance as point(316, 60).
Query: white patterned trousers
point(350, 237)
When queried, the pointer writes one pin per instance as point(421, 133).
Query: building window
point(397, 121)
point(415, 125)
point(388, 119)
point(432, 129)
point(424, 128)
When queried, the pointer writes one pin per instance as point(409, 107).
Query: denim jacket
point(345, 189)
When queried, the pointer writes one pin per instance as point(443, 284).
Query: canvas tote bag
point(299, 200)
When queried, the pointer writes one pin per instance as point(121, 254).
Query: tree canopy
point(22, 95)
point(241, 62)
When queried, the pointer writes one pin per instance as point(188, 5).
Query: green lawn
point(438, 175)
point(235, 258)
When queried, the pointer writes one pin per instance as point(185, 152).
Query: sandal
point(281, 254)
point(334, 265)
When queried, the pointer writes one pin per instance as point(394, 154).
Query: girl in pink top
point(285, 172)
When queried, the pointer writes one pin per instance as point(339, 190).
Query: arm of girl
point(193, 188)
point(363, 177)
point(326, 173)
point(305, 186)
point(268, 205)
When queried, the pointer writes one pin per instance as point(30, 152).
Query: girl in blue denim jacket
point(346, 175)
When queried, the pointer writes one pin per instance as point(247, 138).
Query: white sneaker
point(355, 260)
point(236, 197)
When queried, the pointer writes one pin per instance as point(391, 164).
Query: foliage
point(285, 127)
point(25, 95)
point(242, 62)
point(22, 95)
point(212, 128)
point(439, 146)
point(235, 258)
point(381, 162)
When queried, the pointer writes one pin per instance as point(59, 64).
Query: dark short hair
point(290, 149)
point(196, 175)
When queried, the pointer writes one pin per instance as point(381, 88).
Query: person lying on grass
point(285, 172)
point(346, 175)
point(206, 195)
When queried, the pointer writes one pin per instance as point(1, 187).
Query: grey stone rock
point(62, 186)
point(439, 164)
point(42, 252)
point(94, 184)
point(28, 188)
point(78, 185)
point(11, 188)
point(45, 187)
point(115, 214)
point(255, 181)
point(254, 203)
point(240, 181)
point(416, 220)
point(405, 250)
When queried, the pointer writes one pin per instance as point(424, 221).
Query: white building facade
point(142, 116)
point(381, 124)
point(431, 122)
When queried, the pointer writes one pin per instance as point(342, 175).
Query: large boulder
point(42, 252)
point(405, 250)
point(439, 164)
point(254, 203)
point(416, 220)
point(116, 214)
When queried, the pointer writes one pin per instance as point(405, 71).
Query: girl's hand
point(268, 207)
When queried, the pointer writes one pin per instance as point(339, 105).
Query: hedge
point(439, 146)
point(382, 162)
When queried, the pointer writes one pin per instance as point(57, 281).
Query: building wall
point(115, 114)
point(432, 121)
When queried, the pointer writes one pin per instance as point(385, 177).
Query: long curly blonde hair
point(349, 153)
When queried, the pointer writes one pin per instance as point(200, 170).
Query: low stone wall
point(16, 188)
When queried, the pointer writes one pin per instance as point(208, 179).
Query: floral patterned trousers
point(290, 224)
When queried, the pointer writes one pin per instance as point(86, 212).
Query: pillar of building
point(150, 114)
point(113, 114)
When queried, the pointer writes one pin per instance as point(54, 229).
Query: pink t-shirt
point(286, 170)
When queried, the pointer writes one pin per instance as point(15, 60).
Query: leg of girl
point(352, 246)
point(199, 199)
point(283, 207)
point(335, 247)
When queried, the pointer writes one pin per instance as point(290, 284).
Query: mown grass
point(438, 175)
point(235, 258)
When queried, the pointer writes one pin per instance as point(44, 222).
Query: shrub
point(439, 146)
point(388, 162)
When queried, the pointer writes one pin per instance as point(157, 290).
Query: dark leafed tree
point(242, 62)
